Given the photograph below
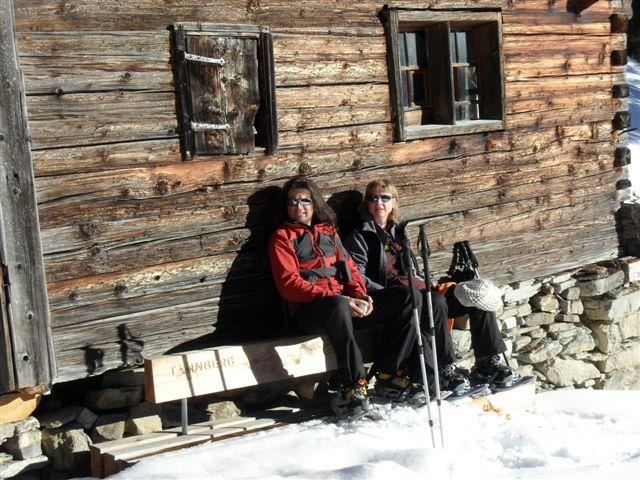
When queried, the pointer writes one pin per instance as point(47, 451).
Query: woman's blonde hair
point(382, 184)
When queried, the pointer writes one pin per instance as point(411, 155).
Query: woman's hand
point(360, 306)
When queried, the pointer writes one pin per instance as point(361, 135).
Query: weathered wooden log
point(619, 23)
point(621, 120)
point(622, 156)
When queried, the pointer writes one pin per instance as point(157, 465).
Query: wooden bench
point(181, 376)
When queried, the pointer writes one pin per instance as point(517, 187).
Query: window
point(225, 88)
point(446, 72)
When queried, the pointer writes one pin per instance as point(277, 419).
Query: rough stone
point(561, 277)
point(13, 469)
point(588, 383)
point(143, 418)
point(108, 427)
point(112, 398)
point(582, 341)
point(567, 372)
point(600, 286)
point(627, 357)
point(523, 310)
point(63, 445)
point(520, 342)
point(560, 287)
point(24, 445)
point(540, 318)
point(508, 312)
point(59, 418)
point(630, 326)
point(461, 340)
point(26, 425)
point(537, 333)
point(563, 317)
point(631, 269)
point(544, 303)
point(607, 334)
point(220, 410)
point(612, 309)
point(6, 431)
point(622, 380)
point(571, 293)
point(556, 328)
point(509, 323)
point(571, 307)
point(130, 377)
point(143, 425)
point(521, 291)
point(5, 457)
point(545, 350)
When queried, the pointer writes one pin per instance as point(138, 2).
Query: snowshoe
point(518, 383)
point(455, 380)
point(497, 375)
point(477, 390)
point(353, 403)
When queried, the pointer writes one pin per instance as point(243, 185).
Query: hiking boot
point(399, 388)
point(392, 384)
point(454, 380)
point(490, 370)
point(353, 402)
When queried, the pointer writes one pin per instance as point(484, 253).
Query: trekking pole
point(425, 251)
point(406, 253)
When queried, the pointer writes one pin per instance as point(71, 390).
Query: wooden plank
point(20, 248)
point(91, 118)
point(67, 62)
point(190, 374)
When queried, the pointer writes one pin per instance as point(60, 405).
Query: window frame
point(266, 121)
point(396, 21)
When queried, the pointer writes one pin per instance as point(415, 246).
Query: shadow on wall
point(249, 307)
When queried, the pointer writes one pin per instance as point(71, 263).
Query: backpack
point(464, 264)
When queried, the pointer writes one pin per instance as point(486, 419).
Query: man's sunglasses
point(385, 197)
point(294, 202)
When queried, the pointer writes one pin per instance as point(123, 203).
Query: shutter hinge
point(208, 127)
point(200, 58)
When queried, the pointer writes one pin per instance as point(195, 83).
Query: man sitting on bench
point(327, 295)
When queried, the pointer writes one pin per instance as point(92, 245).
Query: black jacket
point(366, 246)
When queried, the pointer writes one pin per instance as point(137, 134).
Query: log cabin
point(142, 145)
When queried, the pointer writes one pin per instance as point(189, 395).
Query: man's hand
point(360, 306)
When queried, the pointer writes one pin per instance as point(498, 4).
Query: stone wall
point(575, 329)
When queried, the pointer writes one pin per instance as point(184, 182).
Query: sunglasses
point(385, 197)
point(294, 202)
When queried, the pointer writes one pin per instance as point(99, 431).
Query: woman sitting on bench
point(326, 294)
point(376, 248)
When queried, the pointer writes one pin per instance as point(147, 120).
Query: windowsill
point(415, 132)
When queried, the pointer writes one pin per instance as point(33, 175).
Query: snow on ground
point(574, 434)
point(633, 79)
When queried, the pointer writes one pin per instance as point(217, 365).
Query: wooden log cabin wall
point(145, 249)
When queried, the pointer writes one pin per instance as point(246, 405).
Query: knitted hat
point(479, 293)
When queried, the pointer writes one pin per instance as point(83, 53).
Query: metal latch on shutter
point(208, 127)
point(200, 58)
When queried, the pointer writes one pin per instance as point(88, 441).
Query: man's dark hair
point(322, 213)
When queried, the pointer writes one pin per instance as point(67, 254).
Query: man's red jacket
point(303, 262)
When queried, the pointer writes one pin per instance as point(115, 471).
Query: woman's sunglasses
point(385, 197)
point(294, 202)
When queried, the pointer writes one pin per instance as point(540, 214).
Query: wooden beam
point(20, 248)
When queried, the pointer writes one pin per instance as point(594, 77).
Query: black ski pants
point(485, 334)
point(331, 316)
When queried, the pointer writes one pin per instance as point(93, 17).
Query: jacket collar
point(373, 227)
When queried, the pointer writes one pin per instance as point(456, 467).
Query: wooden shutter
point(267, 116)
point(223, 95)
point(489, 72)
point(440, 74)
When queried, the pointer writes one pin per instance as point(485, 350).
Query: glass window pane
point(461, 44)
point(419, 94)
point(452, 47)
point(401, 47)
